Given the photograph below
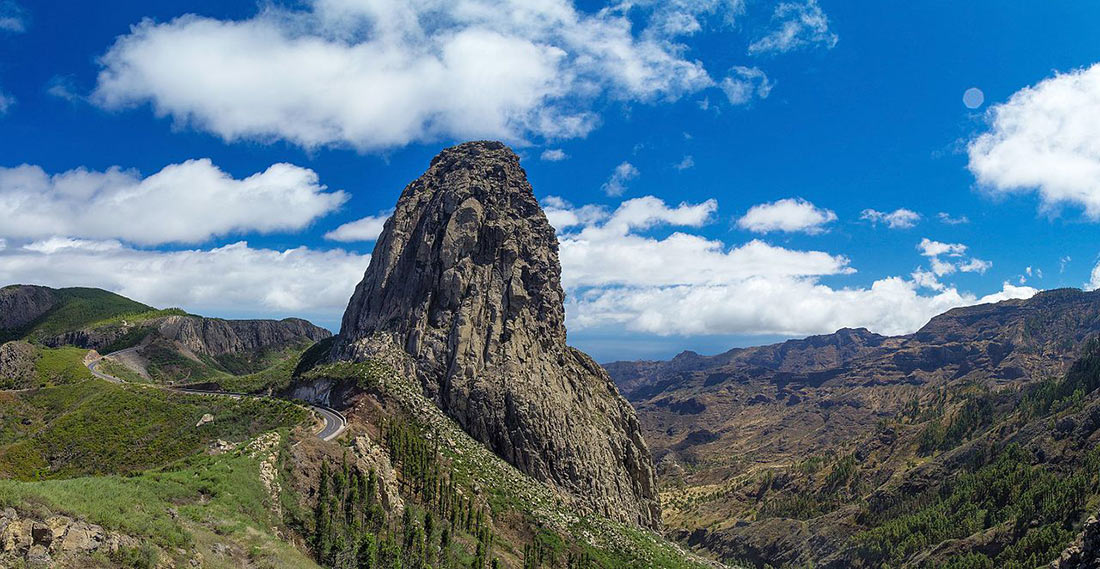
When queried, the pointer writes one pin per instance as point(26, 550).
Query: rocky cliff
point(21, 304)
point(216, 337)
point(465, 279)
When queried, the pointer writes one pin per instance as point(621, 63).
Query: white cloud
point(562, 215)
point(63, 88)
point(930, 248)
point(365, 229)
point(618, 276)
point(1009, 292)
point(796, 25)
point(947, 218)
point(687, 162)
point(788, 215)
point(55, 244)
point(955, 251)
point(183, 203)
point(784, 306)
point(12, 17)
point(1094, 282)
point(1045, 138)
point(375, 75)
point(234, 280)
point(975, 265)
point(898, 219)
point(745, 83)
point(616, 184)
point(553, 155)
point(6, 102)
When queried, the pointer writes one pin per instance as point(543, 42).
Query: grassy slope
point(59, 366)
point(219, 500)
point(80, 307)
point(95, 427)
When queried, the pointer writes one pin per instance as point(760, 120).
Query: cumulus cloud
point(947, 218)
point(562, 215)
point(553, 155)
point(930, 248)
point(936, 250)
point(618, 275)
point(183, 203)
point(616, 184)
point(686, 163)
point(898, 219)
point(365, 229)
point(787, 215)
point(1094, 281)
point(1045, 138)
point(745, 83)
point(13, 18)
point(375, 75)
point(234, 280)
point(796, 25)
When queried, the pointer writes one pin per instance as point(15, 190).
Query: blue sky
point(316, 114)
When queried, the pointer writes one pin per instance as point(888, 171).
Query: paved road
point(335, 422)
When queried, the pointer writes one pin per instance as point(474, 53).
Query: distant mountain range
point(165, 346)
point(745, 440)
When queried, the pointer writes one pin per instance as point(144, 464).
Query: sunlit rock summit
point(465, 279)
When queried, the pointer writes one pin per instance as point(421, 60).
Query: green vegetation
point(52, 366)
point(1038, 506)
point(95, 427)
point(166, 365)
point(277, 377)
point(58, 366)
point(77, 308)
point(196, 503)
point(1052, 395)
point(367, 375)
point(119, 370)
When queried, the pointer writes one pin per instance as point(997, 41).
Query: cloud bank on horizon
point(377, 76)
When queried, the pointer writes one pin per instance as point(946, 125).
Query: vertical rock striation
point(465, 278)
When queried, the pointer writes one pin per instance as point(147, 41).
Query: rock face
point(465, 279)
point(16, 364)
point(21, 305)
point(215, 337)
point(57, 541)
point(1084, 552)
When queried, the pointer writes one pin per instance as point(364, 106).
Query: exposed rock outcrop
point(465, 278)
point(16, 365)
point(205, 336)
point(216, 337)
point(56, 541)
point(1084, 552)
point(22, 304)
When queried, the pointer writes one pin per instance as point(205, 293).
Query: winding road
point(335, 422)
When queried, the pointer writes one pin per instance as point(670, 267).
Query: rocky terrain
point(167, 345)
point(465, 279)
point(746, 440)
point(56, 541)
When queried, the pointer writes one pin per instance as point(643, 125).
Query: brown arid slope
point(767, 453)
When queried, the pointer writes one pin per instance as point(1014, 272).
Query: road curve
point(335, 421)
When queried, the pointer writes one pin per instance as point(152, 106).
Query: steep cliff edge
point(465, 279)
